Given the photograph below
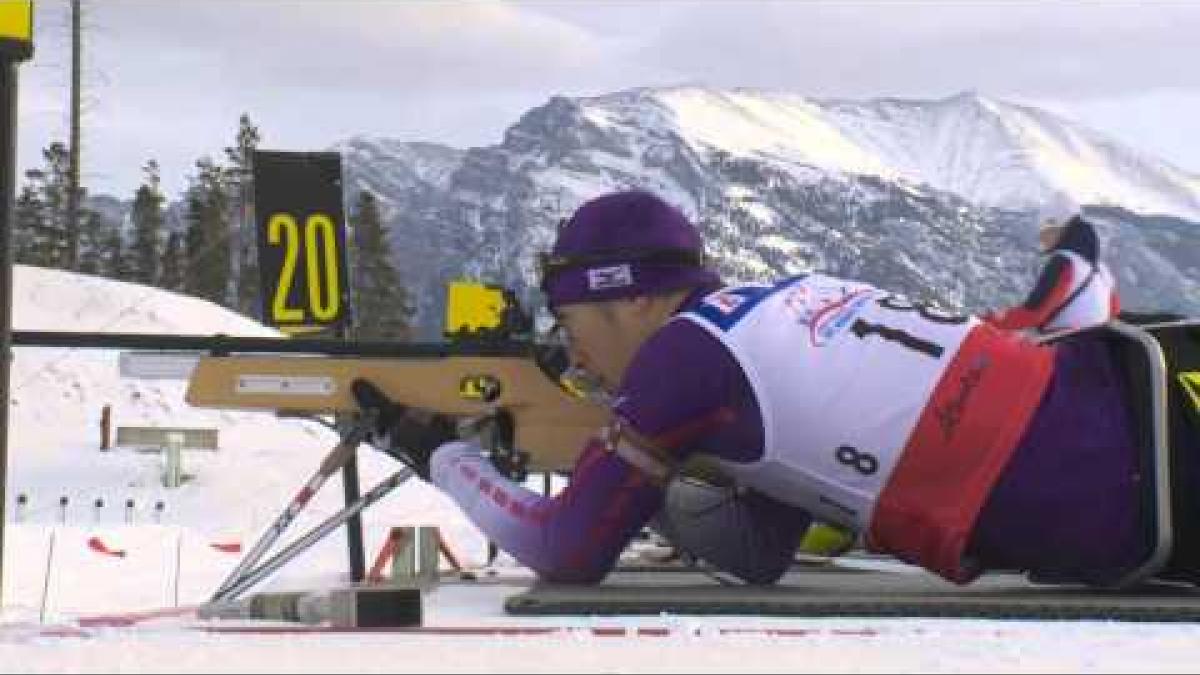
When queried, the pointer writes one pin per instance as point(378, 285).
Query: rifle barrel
point(224, 345)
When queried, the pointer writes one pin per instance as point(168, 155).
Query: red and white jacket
point(1074, 290)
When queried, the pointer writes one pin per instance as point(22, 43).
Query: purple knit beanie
point(621, 245)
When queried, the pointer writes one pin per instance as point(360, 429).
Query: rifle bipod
point(246, 574)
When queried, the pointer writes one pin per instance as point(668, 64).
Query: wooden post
point(106, 427)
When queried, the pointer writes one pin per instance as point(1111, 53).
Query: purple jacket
point(1066, 507)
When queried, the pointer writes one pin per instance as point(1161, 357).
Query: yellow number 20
point(319, 241)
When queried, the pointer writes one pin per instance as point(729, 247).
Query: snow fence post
point(417, 557)
point(173, 457)
point(106, 427)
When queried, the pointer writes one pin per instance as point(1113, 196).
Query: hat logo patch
point(615, 276)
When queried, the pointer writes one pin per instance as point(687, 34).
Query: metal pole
point(351, 489)
point(351, 492)
point(8, 103)
point(16, 44)
point(354, 527)
point(73, 192)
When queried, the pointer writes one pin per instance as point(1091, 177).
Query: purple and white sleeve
point(575, 536)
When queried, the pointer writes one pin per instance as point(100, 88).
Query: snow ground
point(689, 645)
point(170, 557)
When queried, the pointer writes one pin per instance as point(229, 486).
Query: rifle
point(490, 373)
point(517, 395)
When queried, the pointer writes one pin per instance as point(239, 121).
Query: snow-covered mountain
point(933, 198)
point(406, 166)
point(990, 152)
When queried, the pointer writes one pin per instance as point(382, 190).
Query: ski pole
point(335, 460)
point(310, 538)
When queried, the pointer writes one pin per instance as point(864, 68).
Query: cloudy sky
point(168, 80)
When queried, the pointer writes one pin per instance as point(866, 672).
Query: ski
point(342, 453)
point(128, 619)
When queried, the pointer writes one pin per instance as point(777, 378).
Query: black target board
point(301, 230)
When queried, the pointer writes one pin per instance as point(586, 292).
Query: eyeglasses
point(550, 265)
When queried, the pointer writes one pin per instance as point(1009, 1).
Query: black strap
point(1087, 281)
point(551, 265)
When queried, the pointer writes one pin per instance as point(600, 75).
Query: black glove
point(408, 434)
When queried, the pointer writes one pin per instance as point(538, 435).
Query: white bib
point(841, 371)
point(1089, 299)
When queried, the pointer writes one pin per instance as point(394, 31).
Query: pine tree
point(101, 246)
point(239, 176)
point(114, 256)
point(148, 224)
point(29, 216)
point(97, 237)
point(174, 264)
point(207, 239)
point(382, 307)
point(51, 242)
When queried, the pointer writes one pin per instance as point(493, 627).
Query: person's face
point(602, 337)
point(1049, 236)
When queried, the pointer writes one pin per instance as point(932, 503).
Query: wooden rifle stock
point(313, 376)
point(550, 424)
